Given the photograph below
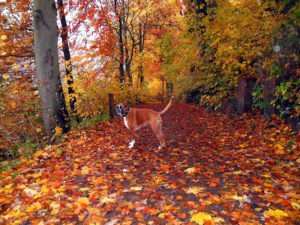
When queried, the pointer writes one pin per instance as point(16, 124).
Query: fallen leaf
point(201, 218)
point(277, 213)
point(195, 190)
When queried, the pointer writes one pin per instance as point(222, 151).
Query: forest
point(232, 130)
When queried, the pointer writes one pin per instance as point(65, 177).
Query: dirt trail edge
point(215, 170)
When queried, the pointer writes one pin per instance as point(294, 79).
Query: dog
point(136, 118)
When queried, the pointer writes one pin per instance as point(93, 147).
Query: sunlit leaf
point(277, 213)
point(201, 217)
point(195, 190)
point(6, 76)
point(3, 37)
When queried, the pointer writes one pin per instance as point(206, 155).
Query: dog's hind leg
point(161, 139)
point(157, 129)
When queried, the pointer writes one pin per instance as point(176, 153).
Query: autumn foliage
point(218, 168)
point(215, 170)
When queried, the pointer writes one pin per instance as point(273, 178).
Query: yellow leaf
point(33, 207)
point(38, 153)
point(279, 149)
point(295, 206)
point(16, 67)
point(168, 207)
point(58, 131)
point(85, 170)
point(201, 218)
point(107, 200)
point(5, 76)
point(84, 189)
point(277, 213)
point(136, 188)
point(3, 37)
point(44, 189)
point(237, 172)
point(219, 220)
point(162, 215)
point(61, 189)
point(8, 188)
point(83, 200)
point(55, 208)
point(238, 198)
point(195, 190)
point(191, 170)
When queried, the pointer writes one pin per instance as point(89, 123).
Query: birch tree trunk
point(46, 57)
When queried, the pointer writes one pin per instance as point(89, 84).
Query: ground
point(217, 169)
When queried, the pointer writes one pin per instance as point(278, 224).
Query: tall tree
point(119, 14)
point(67, 56)
point(50, 89)
point(141, 49)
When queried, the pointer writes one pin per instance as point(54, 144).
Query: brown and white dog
point(136, 118)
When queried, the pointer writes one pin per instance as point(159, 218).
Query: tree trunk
point(46, 56)
point(121, 46)
point(141, 48)
point(67, 56)
point(245, 90)
point(127, 56)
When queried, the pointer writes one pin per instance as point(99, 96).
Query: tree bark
point(127, 56)
point(121, 46)
point(46, 56)
point(141, 48)
point(67, 57)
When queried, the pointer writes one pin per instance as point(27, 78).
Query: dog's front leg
point(132, 139)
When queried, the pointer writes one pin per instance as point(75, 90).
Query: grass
point(87, 122)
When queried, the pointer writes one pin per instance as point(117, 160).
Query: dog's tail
point(167, 107)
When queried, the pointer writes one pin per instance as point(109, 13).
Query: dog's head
point(122, 110)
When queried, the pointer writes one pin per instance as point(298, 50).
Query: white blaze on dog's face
point(120, 109)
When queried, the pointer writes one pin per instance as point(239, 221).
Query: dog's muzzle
point(119, 110)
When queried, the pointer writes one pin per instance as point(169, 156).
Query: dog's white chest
point(126, 122)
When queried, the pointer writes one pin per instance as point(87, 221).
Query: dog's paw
point(131, 144)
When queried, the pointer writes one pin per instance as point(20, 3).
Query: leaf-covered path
point(216, 170)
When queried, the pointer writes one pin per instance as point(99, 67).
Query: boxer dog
point(135, 118)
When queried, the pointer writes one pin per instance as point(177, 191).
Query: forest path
point(215, 170)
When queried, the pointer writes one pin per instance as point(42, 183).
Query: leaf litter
point(216, 170)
